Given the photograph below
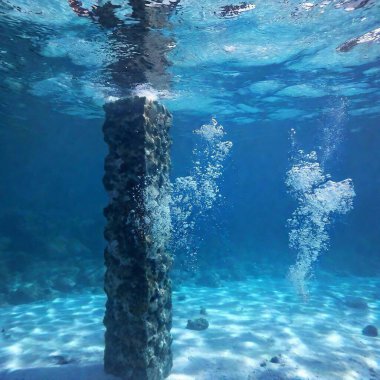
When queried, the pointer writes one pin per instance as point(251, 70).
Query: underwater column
point(138, 315)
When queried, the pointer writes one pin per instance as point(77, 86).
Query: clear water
point(275, 174)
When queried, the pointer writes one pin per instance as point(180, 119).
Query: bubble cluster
point(184, 190)
point(157, 215)
point(209, 157)
point(194, 195)
point(319, 199)
point(332, 132)
point(168, 215)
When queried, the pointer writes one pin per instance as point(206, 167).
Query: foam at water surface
point(305, 41)
point(302, 52)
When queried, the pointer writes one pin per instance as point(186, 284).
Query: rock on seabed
point(198, 324)
point(370, 330)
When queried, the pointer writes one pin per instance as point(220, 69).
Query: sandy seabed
point(250, 322)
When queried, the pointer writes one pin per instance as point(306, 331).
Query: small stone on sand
point(198, 324)
point(370, 330)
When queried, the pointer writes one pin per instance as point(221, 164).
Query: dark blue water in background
point(52, 198)
point(257, 203)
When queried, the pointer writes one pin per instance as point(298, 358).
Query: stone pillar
point(139, 308)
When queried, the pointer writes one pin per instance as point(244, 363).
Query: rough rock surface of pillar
point(138, 315)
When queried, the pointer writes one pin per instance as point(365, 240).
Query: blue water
point(275, 81)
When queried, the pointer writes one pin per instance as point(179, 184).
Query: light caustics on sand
point(319, 199)
point(196, 194)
